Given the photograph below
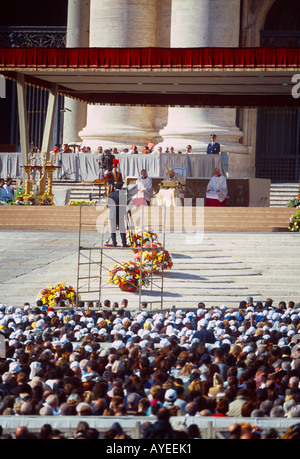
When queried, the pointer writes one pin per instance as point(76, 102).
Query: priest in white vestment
point(144, 190)
point(216, 191)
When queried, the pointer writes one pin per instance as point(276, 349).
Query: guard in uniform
point(116, 174)
point(213, 147)
point(114, 177)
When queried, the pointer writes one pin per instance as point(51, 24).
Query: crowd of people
point(218, 361)
point(132, 150)
point(105, 161)
point(213, 147)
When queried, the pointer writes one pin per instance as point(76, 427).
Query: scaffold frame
point(95, 283)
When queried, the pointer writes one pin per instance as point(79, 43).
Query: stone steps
point(79, 190)
point(231, 219)
point(224, 268)
point(282, 193)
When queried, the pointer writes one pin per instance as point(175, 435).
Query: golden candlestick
point(46, 172)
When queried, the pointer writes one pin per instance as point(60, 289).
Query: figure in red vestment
point(216, 191)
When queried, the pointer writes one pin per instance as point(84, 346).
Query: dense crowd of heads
point(218, 361)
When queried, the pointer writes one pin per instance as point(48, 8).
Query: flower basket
point(294, 225)
point(81, 203)
point(19, 202)
point(128, 276)
point(295, 202)
point(60, 290)
point(18, 199)
point(127, 288)
point(46, 200)
point(135, 238)
point(30, 200)
point(156, 261)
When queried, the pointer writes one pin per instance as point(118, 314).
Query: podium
point(102, 188)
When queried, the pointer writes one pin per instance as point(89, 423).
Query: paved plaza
point(222, 268)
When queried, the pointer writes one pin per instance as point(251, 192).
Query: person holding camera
point(106, 162)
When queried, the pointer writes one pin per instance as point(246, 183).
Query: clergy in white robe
point(144, 190)
point(216, 191)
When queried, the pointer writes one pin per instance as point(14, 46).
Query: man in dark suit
point(213, 147)
point(117, 204)
point(203, 334)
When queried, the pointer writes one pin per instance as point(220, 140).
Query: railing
point(29, 37)
point(210, 427)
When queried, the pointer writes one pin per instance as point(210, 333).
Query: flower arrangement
point(155, 260)
point(60, 290)
point(295, 202)
point(295, 222)
point(81, 203)
point(128, 276)
point(137, 237)
point(46, 200)
point(18, 199)
point(30, 200)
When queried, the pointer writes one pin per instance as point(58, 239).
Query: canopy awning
point(194, 77)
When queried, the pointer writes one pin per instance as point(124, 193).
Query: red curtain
point(150, 58)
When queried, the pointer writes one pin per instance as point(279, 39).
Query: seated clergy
point(174, 176)
point(171, 189)
point(216, 191)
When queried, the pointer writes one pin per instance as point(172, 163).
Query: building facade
point(261, 143)
point(247, 135)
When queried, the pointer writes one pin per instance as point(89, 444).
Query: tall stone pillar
point(77, 37)
point(121, 23)
point(203, 23)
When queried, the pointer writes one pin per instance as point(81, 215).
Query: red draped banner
point(38, 63)
point(150, 58)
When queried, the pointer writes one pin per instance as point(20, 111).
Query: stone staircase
point(232, 219)
point(79, 190)
point(282, 193)
point(84, 191)
point(219, 269)
point(181, 220)
point(240, 252)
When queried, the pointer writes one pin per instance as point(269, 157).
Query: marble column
point(203, 23)
point(121, 23)
point(77, 37)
